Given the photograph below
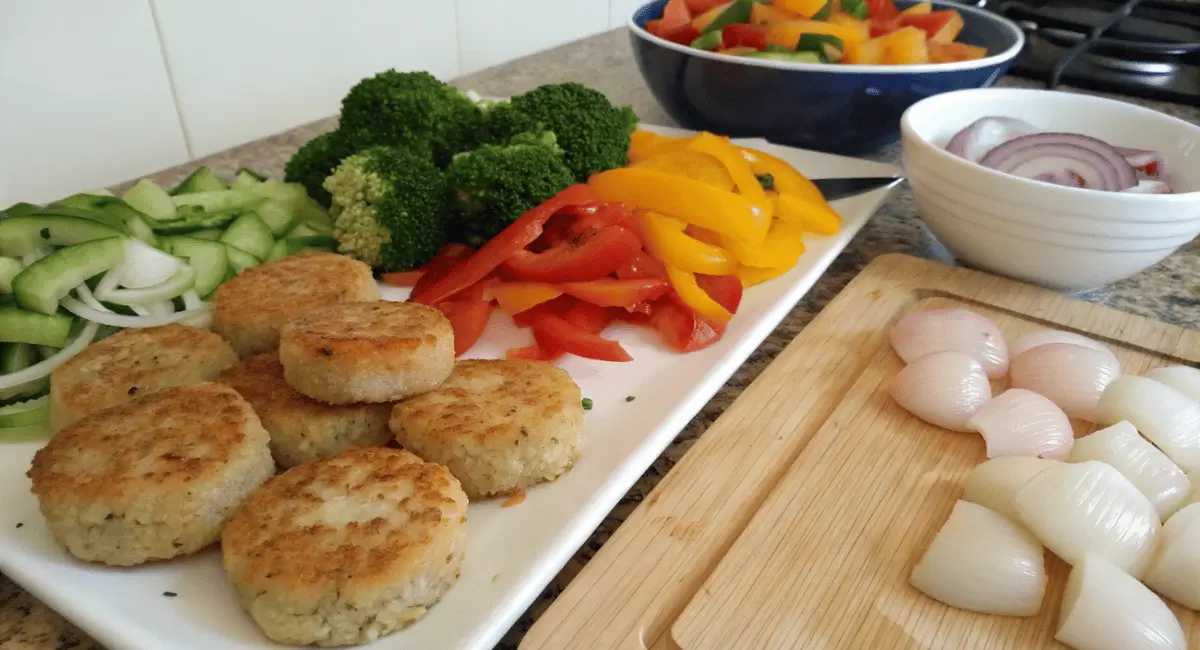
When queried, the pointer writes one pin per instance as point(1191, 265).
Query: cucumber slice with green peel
point(244, 179)
point(241, 199)
point(211, 234)
point(140, 228)
point(311, 212)
point(42, 284)
point(9, 268)
point(251, 234)
point(22, 414)
point(292, 245)
point(100, 191)
point(151, 200)
point(201, 180)
point(279, 216)
point(250, 173)
point(17, 356)
point(29, 390)
point(84, 213)
point(208, 258)
point(240, 260)
point(22, 326)
point(195, 220)
point(307, 230)
point(111, 205)
point(20, 236)
point(19, 210)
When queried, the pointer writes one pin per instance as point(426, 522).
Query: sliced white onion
point(1032, 340)
point(1184, 379)
point(1142, 463)
point(144, 266)
point(1071, 376)
point(87, 313)
point(982, 562)
point(160, 308)
point(1149, 187)
point(944, 388)
point(1019, 422)
point(1074, 508)
point(174, 286)
point(1175, 570)
point(937, 330)
point(89, 298)
point(48, 365)
point(993, 483)
point(191, 300)
point(1167, 417)
point(1105, 608)
point(33, 256)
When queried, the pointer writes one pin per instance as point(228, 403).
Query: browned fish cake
point(154, 478)
point(249, 309)
point(133, 363)
point(367, 352)
point(346, 550)
point(303, 429)
point(500, 426)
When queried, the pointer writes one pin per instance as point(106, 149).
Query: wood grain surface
point(795, 521)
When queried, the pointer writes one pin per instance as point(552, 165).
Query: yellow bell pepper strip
point(814, 216)
point(665, 239)
point(516, 297)
point(644, 144)
point(782, 247)
point(693, 201)
point(693, 296)
point(750, 276)
point(905, 46)
point(762, 14)
point(787, 179)
point(703, 234)
point(806, 8)
point(739, 170)
point(788, 34)
point(692, 164)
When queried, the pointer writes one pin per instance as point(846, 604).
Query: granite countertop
point(1169, 292)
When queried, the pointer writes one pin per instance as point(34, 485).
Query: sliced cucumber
point(22, 326)
point(42, 284)
point(308, 230)
point(208, 258)
point(292, 245)
point(108, 209)
point(246, 178)
point(311, 212)
point(19, 210)
point(101, 191)
point(90, 214)
point(16, 356)
point(249, 233)
point(24, 414)
point(240, 260)
point(151, 200)
point(201, 180)
point(222, 201)
point(9, 268)
point(211, 234)
point(279, 216)
point(192, 221)
point(140, 228)
point(250, 174)
point(20, 236)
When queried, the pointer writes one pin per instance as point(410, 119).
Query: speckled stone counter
point(1168, 292)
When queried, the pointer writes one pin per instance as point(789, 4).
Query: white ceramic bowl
point(1056, 236)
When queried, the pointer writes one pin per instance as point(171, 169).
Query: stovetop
point(1141, 48)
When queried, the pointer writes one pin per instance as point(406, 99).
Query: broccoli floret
point(389, 207)
point(593, 134)
point(412, 110)
point(315, 160)
point(493, 185)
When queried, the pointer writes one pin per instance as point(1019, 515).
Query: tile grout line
point(458, 40)
point(162, 48)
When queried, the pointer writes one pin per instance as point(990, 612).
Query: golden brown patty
point(367, 352)
point(500, 426)
point(133, 363)
point(249, 309)
point(303, 429)
point(346, 550)
point(154, 478)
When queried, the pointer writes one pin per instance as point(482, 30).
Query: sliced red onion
point(985, 133)
point(1097, 163)
point(1150, 187)
point(1146, 162)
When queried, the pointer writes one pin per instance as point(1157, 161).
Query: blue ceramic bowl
point(847, 109)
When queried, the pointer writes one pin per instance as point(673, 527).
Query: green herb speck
point(630, 398)
point(587, 403)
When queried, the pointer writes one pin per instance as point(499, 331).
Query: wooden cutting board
point(796, 519)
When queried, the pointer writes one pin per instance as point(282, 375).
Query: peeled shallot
point(1029, 341)
point(925, 332)
point(944, 388)
point(1019, 422)
point(1071, 376)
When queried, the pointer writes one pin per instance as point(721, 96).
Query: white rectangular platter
point(512, 552)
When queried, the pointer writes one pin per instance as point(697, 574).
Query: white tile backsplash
point(86, 98)
point(491, 32)
point(244, 70)
point(619, 11)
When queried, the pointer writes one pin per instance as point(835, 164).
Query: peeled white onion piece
point(944, 388)
point(1184, 379)
point(993, 483)
point(1105, 608)
point(982, 562)
point(1167, 417)
point(1071, 376)
point(1020, 422)
point(1074, 508)
point(1029, 341)
point(1120, 446)
point(937, 330)
point(1175, 570)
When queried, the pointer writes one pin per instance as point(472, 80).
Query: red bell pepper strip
point(468, 315)
point(642, 265)
point(559, 307)
point(513, 239)
point(609, 292)
point(572, 261)
point(680, 327)
point(744, 35)
point(725, 289)
point(882, 10)
point(553, 332)
point(675, 16)
point(402, 278)
point(583, 315)
point(446, 259)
